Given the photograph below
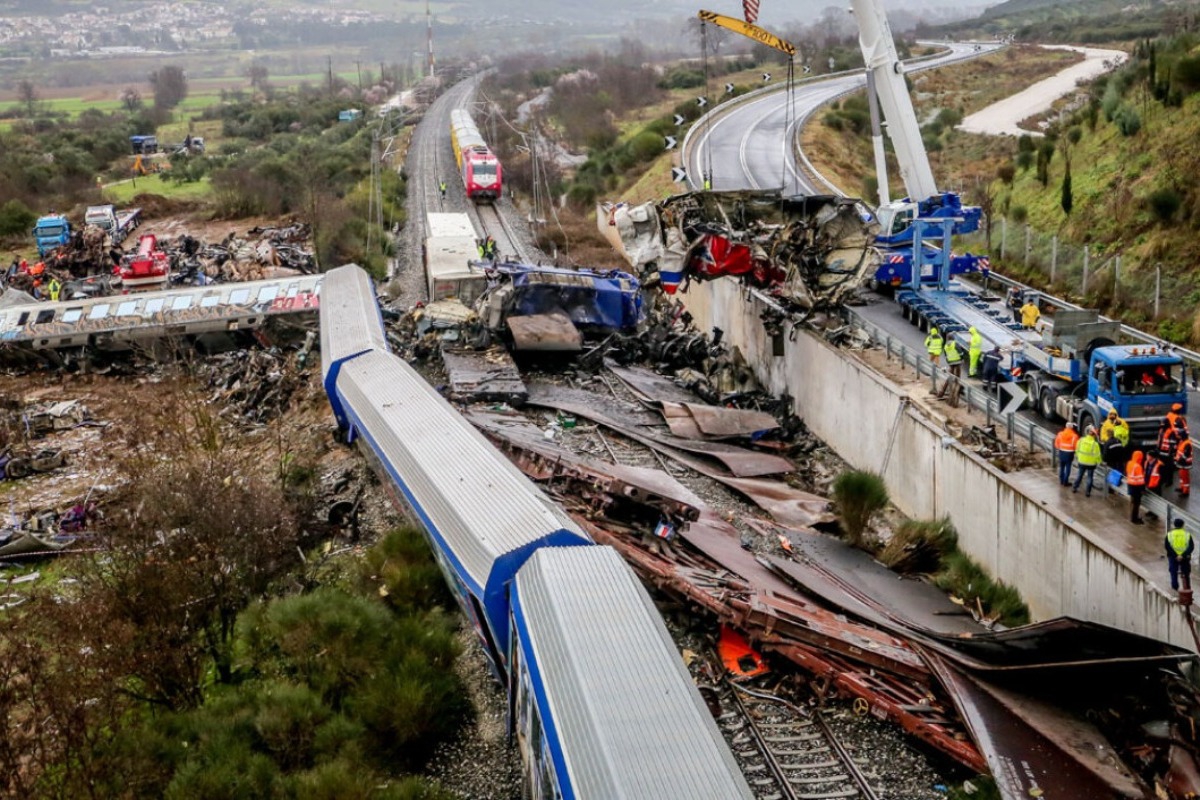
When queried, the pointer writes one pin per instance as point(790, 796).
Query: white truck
point(117, 224)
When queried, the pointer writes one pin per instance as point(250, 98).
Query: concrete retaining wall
point(1059, 568)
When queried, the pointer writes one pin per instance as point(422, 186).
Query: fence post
point(1086, 253)
point(1003, 236)
point(1053, 257)
point(1028, 245)
point(1157, 287)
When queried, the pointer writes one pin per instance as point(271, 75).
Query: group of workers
point(985, 366)
point(487, 249)
point(1153, 469)
point(44, 286)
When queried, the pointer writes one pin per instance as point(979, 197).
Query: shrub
point(859, 495)
point(1127, 120)
point(1164, 203)
point(680, 78)
point(401, 565)
point(965, 579)
point(16, 219)
point(919, 546)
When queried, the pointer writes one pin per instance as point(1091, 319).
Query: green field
point(123, 193)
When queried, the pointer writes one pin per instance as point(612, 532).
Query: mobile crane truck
point(1075, 369)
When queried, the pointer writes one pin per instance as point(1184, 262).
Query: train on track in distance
point(478, 167)
point(601, 703)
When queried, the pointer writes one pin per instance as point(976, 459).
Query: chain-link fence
point(1091, 275)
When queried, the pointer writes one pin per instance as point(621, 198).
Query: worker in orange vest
point(1135, 478)
point(1168, 443)
point(1064, 446)
point(38, 268)
point(1175, 415)
point(1153, 474)
point(1183, 460)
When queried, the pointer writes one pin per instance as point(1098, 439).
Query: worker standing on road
point(55, 288)
point(1110, 423)
point(975, 352)
point(1168, 443)
point(442, 187)
point(991, 368)
point(1087, 455)
point(1183, 460)
point(1030, 314)
point(933, 345)
point(1179, 546)
point(1116, 450)
point(954, 359)
point(1064, 447)
point(1135, 479)
point(1175, 415)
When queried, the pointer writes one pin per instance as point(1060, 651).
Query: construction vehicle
point(148, 268)
point(51, 232)
point(143, 144)
point(117, 224)
point(1071, 368)
point(895, 241)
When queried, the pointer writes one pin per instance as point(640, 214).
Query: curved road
point(748, 143)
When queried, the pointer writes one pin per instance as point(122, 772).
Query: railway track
point(786, 752)
point(495, 224)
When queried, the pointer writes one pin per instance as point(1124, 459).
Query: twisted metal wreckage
point(808, 251)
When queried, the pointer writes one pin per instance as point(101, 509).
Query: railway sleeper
point(800, 737)
point(833, 795)
point(809, 766)
point(810, 781)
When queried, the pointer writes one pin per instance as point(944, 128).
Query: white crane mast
point(879, 53)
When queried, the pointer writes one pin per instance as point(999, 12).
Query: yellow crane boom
point(750, 31)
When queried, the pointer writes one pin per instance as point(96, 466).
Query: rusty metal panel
point(651, 385)
point(1024, 761)
point(721, 422)
point(483, 375)
point(545, 332)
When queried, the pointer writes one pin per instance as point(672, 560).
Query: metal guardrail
point(1018, 429)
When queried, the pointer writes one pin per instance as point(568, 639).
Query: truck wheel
point(1086, 420)
point(1047, 403)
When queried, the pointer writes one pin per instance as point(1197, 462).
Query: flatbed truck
point(118, 224)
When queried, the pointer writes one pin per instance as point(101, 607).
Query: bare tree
point(257, 73)
point(170, 86)
point(131, 99)
point(27, 93)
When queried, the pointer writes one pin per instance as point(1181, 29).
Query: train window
point(293, 289)
point(72, 314)
point(485, 170)
point(209, 300)
point(98, 311)
point(154, 305)
point(125, 309)
point(44, 316)
point(268, 294)
point(239, 296)
point(21, 320)
point(182, 303)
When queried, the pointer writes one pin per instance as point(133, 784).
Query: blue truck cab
point(1139, 381)
point(51, 232)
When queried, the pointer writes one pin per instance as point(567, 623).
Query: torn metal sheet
point(545, 332)
point(719, 422)
point(738, 460)
point(651, 385)
point(544, 459)
point(1023, 761)
point(483, 375)
point(786, 504)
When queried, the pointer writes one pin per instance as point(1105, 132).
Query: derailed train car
point(548, 604)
